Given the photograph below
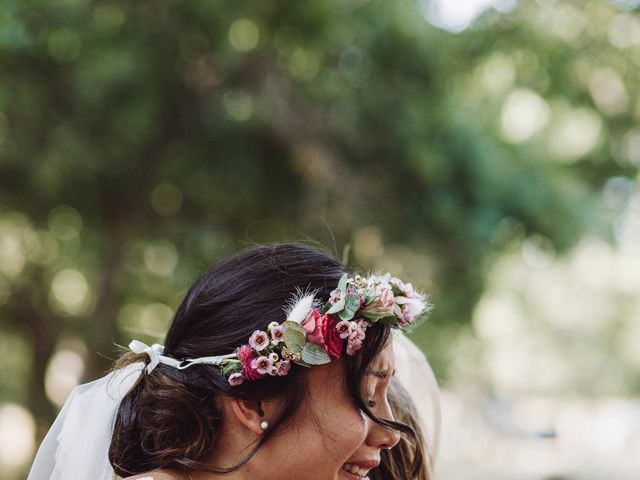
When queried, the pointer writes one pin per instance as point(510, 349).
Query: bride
point(276, 365)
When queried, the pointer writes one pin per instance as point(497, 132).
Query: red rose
point(321, 330)
point(332, 341)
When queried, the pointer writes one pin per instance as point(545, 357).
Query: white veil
point(416, 376)
point(76, 446)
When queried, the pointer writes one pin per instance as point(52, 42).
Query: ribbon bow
point(154, 351)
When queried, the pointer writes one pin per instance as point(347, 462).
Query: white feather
point(299, 307)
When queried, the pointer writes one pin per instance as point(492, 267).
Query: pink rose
point(313, 326)
point(321, 331)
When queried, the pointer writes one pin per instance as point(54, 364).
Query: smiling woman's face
point(331, 435)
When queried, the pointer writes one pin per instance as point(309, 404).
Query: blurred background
point(485, 150)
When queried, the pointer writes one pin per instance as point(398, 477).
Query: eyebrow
point(381, 373)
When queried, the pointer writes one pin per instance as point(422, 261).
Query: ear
point(249, 413)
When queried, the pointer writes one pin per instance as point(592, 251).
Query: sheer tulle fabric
point(416, 376)
point(77, 444)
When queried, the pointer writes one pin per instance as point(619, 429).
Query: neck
point(230, 449)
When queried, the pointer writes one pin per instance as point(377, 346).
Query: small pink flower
point(283, 367)
point(357, 334)
point(396, 282)
point(235, 379)
point(405, 288)
point(408, 291)
point(335, 296)
point(259, 340)
point(386, 297)
point(262, 364)
point(352, 290)
point(271, 325)
point(356, 337)
point(272, 370)
point(277, 334)
point(353, 346)
point(274, 357)
point(344, 328)
point(407, 313)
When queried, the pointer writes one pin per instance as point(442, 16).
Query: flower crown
point(313, 333)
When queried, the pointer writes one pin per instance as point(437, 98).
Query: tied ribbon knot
point(154, 351)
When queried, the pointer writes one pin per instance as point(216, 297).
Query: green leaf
point(230, 367)
point(314, 354)
point(342, 284)
point(375, 315)
point(346, 314)
point(302, 363)
point(294, 340)
point(352, 302)
point(337, 306)
point(369, 298)
point(295, 326)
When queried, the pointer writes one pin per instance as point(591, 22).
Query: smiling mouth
point(353, 472)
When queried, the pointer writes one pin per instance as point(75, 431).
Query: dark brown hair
point(170, 419)
point(400, 462)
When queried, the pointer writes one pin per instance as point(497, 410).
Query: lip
point(351, 476)
point(368, 464)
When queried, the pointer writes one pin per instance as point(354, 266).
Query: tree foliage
point(142, 141)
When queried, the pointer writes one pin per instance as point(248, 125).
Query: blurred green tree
point(139, 140)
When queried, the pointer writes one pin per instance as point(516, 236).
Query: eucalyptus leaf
point(314, 354)
point(295, 327)
point(369, 298)
point(374, 315)
point(352, 302)
point(303, 363)
point(294, 340)
point(337, 306)
point(342, 284)
point(346, 314)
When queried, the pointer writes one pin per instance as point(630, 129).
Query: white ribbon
point(156, 356)
point(155, 353)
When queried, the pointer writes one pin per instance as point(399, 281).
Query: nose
point(381, 437)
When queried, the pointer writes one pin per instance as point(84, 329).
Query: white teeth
point(355, 469)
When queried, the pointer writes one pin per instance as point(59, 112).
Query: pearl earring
point(264, 425)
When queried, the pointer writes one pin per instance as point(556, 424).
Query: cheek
point(345, 430)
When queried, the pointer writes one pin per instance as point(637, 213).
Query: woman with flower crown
point(276, 364)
